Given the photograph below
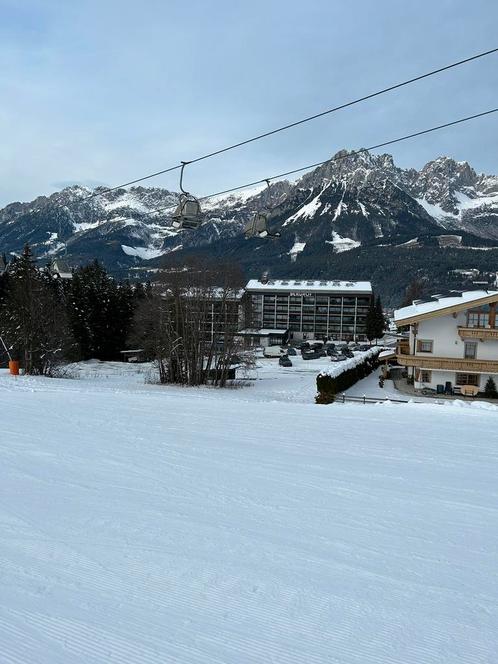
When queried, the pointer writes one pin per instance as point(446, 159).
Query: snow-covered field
point(149, 525)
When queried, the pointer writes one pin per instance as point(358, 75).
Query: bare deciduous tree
point(189, 324)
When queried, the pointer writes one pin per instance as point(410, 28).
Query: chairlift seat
point(188, 213)
point(258, 226)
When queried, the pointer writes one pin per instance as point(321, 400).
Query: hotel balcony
point(448, 363)
point(481, 333)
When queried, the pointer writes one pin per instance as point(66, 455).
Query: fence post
point(364, 399)
point(343, 397)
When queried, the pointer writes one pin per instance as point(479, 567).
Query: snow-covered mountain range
point(356, 201)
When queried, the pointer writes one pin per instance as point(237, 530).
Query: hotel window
point(467, 379)
point(470, 350)
point(424, 346)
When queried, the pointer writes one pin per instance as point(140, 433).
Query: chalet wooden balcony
point(448, 363)
point(403, 347)
point(482, 333)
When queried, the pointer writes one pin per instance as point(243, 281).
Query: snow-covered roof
point(461, 300)
point(306, 286)
point(262, 332)
point(210, 293)
point(61, 268)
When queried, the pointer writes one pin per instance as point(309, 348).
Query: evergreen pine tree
point(32, 316)
point(490, 389)
point(100, 311)
point(380, 320)
point(371, 321)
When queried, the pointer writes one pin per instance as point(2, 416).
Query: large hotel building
point(301, 309)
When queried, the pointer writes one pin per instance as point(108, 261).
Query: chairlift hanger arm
point(184, 163)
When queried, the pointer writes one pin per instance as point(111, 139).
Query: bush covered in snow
point(343, 376)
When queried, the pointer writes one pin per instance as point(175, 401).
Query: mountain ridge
point(356, 201)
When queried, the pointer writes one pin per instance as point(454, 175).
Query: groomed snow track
point(154, 525)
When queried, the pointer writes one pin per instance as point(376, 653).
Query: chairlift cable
point(298, 122)
point(338, 157)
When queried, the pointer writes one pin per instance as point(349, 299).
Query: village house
point(453, 341)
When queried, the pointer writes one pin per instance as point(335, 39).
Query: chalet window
point(478, 317)
point(470, 350)
point(425, 376)
point(467, 379)
point(424, 346)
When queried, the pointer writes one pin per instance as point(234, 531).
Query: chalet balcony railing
point(448, 363)
point(403, 347)
point(478, 333)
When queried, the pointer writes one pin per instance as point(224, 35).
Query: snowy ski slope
point(146, 525)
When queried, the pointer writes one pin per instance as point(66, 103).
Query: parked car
point(340, 345)
point(338, 358)
point(273, 351)
point(284, 361)
point(304, 346)
point(331, 350)
point(317, 345)
point(347, 352)
point(312, 355)
point(291, 351)
point(364, 347)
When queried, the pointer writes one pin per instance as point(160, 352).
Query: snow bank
point(341, 244)
point(296, 249)
point(142, 252)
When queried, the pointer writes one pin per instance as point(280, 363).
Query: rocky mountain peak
point(440, 180)
point(353, 168)
point(357, 199)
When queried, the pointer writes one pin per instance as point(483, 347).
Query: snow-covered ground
point(146, 525)
point(267, 381)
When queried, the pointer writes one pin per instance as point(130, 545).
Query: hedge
point(331, 383)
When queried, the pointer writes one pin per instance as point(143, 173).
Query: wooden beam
point(492, 314)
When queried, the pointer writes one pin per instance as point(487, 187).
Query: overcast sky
point(105, 91)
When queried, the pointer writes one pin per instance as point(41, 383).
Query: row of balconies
point(481, 333)
point(447, 363)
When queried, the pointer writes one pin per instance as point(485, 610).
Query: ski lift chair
point(188, 212)
point(258, 225)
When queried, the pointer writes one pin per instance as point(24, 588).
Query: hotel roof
point(308, 285)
